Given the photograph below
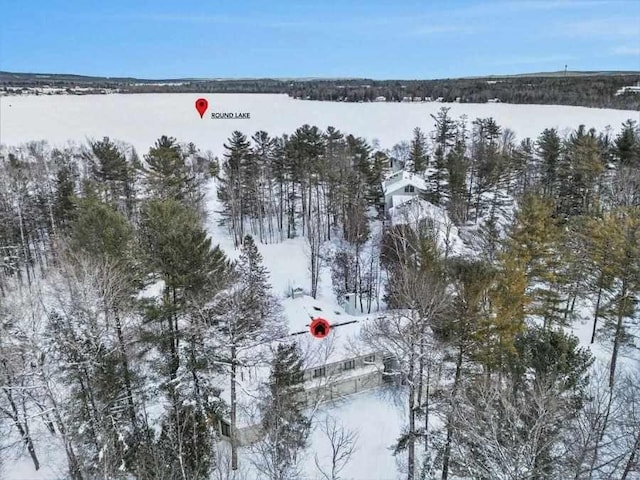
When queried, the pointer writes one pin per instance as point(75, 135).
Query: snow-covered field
point(140, 119)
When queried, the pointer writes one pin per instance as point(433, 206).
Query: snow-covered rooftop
point(401, 179)
point(342, 341)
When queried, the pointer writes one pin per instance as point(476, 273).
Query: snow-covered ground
point(377, 422)
point(140, 119)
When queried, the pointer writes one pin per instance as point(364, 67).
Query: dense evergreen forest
point(122, 322)
point(589, 89)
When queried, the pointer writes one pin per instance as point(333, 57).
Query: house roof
point(341, 344)
point(401, 179)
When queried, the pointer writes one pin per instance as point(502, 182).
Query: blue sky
point(299, 38)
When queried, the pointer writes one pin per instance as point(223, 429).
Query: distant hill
point(568, 73)
point(65, 77)
point(591, 89)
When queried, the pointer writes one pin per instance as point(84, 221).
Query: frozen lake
point(141, 118)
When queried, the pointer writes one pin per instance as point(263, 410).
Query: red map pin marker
point(201, 106)
point(319, 327)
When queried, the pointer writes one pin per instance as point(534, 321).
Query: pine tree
point(284, 424)
point(179, 251)
point(457, 167)
point(549, 148)
point(535, 240)
point(379, 171)
point(335, 156)
point(245, 317)
point(264, 153)
point(513, 426)
point(194, 274)
point(359, 152)
point(109, 170)
point(599, 246)
point(167, 174)
point(488, 164)
point(624, 231)
point(550, 360)
point(305, 150)
point(461, 329)
point(508, 299)
point(254, 279)
point(445, 139)
point(418, 157)
point(579, 173)
point(100, 231)
point(525, 167)
point(627, 145)
point(64, 205)
point(231, 185)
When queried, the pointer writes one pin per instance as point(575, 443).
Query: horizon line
point(311, 78)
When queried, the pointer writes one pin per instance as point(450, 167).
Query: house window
point(319, 372)
point(370, 358)
point(409, 189)
point(349, 365)
point(225, 429)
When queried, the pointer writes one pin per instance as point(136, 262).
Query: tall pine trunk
point(126, 370)
point(234, 442)
point(447, 448)
point(617, 337)
point(597, 312)
point(411, 446)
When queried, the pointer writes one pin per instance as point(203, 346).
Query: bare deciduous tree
point(495, 437)
point(342, 445)
point(603, 441)
point(419, 289)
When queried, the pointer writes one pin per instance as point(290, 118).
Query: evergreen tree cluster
point(589, 89)
point(282, 187)
point(92, 229)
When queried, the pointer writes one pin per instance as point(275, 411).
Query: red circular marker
point(201, 106)
point(319, 327)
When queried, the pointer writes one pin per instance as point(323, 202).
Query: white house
point(334, 367)
point(629, 89)
point(401, 187)
point(328, 382)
